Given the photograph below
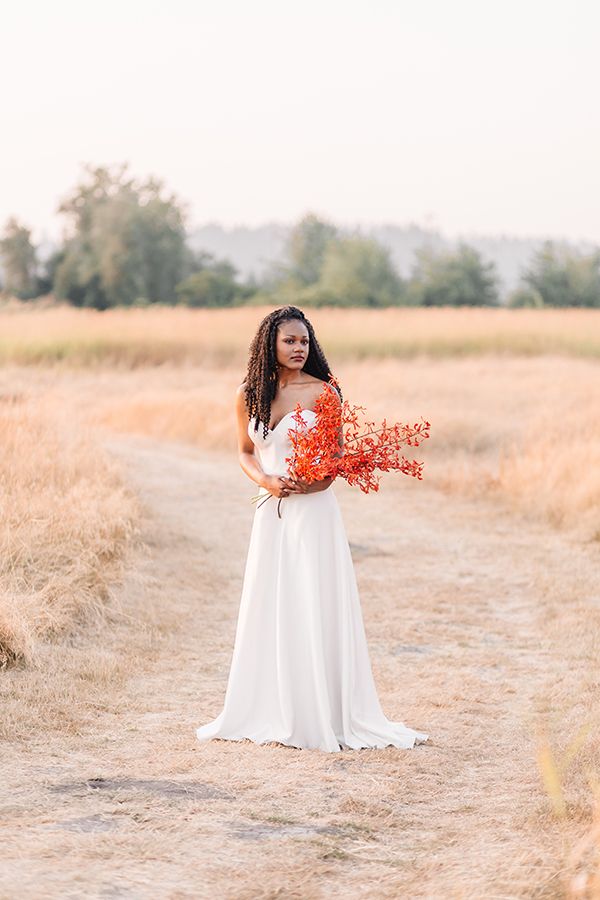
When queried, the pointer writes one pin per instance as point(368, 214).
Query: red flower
point(337, 445)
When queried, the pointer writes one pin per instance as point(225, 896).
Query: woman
point(300, 673)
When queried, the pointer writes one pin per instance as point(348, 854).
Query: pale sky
point(468, 116)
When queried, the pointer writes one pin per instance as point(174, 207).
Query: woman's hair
point(261, 378)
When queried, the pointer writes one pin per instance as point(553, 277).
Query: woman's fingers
point(300, 487)
point(293, 486)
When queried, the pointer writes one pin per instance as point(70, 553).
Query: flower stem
point(356, 452)
point(267, 497)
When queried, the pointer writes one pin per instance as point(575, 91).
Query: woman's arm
point(276, 485)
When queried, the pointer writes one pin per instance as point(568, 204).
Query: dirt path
point(466, 610)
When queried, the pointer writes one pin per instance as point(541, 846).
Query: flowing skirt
point(300, 672)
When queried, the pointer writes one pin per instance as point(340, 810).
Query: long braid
point(261, 378)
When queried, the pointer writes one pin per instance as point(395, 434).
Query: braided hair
point(260, 383)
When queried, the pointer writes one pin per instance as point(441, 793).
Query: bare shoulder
point(240, 397)
point(311, 387)
point(325, 385)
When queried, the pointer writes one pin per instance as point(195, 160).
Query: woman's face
point(292, 344)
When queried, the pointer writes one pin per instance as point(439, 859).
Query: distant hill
point(251, 250)
point(254, 250)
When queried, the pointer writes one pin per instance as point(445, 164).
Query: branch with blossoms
point(367, 449)
point(337, 445)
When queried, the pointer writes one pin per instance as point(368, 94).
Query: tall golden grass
point(156, 335)
point(66, 518)
point(581, 857)
point(523, 430)
point(555, 466)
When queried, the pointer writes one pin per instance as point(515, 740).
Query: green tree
point(213, 284)
point(525, 297)
point(563, 277)
point(358, 271)
point(306, 248)
point(19, 260)
point(126, 242)
point(458, 278)
point(47, 273)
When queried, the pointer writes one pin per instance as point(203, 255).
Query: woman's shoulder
point(326, 386)
point(240, 397)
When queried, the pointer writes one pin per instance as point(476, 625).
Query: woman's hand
point(280, 485)
point(312, 487)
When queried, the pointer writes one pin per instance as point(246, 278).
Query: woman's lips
point(299, 358)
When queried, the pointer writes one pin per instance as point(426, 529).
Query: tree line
point(126, 244)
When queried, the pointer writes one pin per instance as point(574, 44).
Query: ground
point(466, 606)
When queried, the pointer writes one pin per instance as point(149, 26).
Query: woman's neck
point(286, 377)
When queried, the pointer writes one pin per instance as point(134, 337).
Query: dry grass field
point(66, 520)
point(155, 335)
point(125, 521)
point(523, 430)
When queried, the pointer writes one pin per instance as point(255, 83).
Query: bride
point(300, 672)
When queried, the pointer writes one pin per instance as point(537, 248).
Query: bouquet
point(338, 446)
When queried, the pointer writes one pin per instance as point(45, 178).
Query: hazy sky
point(469, 116)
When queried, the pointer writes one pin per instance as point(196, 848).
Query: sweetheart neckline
point(290, 413)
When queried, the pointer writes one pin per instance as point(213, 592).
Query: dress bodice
point(273, 449)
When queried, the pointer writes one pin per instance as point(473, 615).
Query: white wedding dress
point(300, 672)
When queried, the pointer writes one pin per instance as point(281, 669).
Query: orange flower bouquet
point(338, 446)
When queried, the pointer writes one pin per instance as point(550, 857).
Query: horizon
point(44, 237)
